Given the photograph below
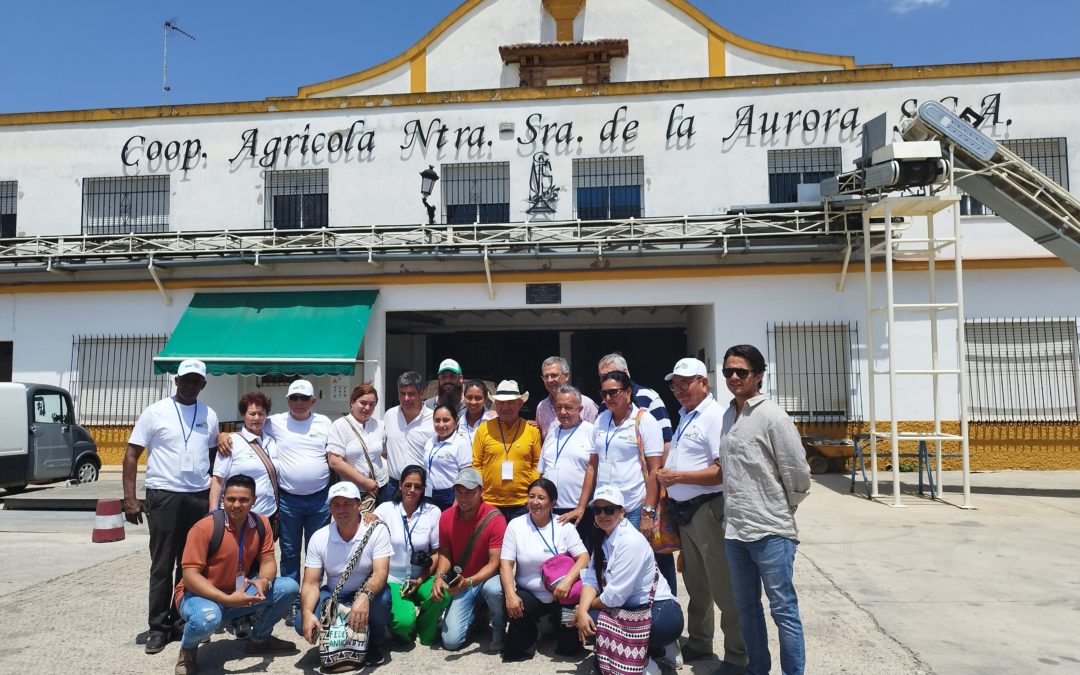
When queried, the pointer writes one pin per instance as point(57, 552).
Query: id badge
point(187, 462)
point(508, 471)
point(603, 474)
point(240, 580)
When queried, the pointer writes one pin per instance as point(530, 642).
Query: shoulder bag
point(665, 536)
point(622, 637)
point(340, 647)
point(369, 500)
point(271, 472)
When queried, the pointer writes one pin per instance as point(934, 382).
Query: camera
point(453, 574)
point(421, 559)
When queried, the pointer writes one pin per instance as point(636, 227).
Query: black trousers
point(584, 526)
point(169, 516)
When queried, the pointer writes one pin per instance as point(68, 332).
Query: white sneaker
point(653, 668)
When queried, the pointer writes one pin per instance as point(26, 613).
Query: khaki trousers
point(707, 582)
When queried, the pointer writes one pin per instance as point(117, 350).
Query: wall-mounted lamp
point(428, 178)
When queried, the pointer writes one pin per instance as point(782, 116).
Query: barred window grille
point(608, 188)
point(1048, 155)
point(125, 204)
point(790, 168)
point(814, 373)
point(9, 199)
point(476, 192)
point(297, 200)
point(1022, 370)
point(113, 377)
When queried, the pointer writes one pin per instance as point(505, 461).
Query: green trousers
point(404, 617)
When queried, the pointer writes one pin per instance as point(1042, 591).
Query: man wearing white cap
point(506, 450)
point(179, 435)
point(695, 501)
point(450, 391)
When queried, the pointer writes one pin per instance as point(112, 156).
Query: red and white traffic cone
point(109, 522)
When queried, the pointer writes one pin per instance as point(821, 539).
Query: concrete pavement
point(928, 588)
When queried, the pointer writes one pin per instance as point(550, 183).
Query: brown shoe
point(187, 662)
point(270, 645)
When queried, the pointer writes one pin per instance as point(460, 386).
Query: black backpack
point(219, 534)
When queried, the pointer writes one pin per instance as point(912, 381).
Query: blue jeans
point(767, 562)
point(667, 624)
point(301, 516)
point(458, 617)
point(664, 561)
point(378, 614)
point(202, 617)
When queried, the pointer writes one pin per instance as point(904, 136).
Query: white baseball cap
point(302, 387)
point(609, 494)
point(188, 366)
point(343, 489)
point(688, 367)
point(449, 364)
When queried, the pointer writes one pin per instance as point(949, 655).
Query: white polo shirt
point(328, 551)
point(631, 569)
point(443, 460)
point(423, 532)
point(343, 442)
point(695, 445)
point(177, 439)
point(405, 440)
point(563, 459)
point(529, 546)
point(619, 456)
point(468, 432)
point(244, 460)
point(302, 467)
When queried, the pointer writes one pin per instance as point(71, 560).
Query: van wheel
point(86, 471)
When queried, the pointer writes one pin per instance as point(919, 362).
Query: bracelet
point(469, 579)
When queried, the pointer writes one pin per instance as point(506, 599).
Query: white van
point(39, 439)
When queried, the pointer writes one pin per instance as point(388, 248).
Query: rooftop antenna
point(170, 25)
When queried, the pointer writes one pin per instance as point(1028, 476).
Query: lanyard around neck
point(502, 437)
point(179, 417)
point(560, 444)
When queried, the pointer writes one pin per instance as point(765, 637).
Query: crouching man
point(229, 574)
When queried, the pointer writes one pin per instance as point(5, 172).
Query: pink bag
point(552, 572)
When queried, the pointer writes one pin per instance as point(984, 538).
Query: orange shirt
point(519, 443)
point(221, 570)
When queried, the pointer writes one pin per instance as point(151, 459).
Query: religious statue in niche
point(543, 193)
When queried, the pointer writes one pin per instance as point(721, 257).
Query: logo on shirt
point(201, 424)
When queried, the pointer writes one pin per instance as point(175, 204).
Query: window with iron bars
point(112, 377)
point(297, 199)
point(814, 375)
point(609, 188)
point(9, 197)
point(800, 166)
point(1048, 155)
point(1022, 370)
point(476, 192)
point(125, 204)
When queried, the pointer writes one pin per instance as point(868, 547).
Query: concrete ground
point(922, 589)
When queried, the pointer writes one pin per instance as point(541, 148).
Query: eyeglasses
point(412, 486)
point(550, 377)
point(610, 393)
point(743, 373)
point(300, 397)
point(607, 510)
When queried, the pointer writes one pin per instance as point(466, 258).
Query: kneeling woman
point(529, 541)
point(622, 575)
point(414, 534)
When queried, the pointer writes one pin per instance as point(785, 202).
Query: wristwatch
point(649, 511)
point(370, 594)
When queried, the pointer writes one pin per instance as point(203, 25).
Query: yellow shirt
point(495, 443)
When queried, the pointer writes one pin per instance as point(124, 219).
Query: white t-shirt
point(443, 460)
point(695, 445)
point(327, 550)
point(619, 455)
point(563, 460)
point(244, 460)
point(405, 441)
point(423, 532)
point(302, 467)
point(631, 569)
point(177, 439)
point(343, 442)
point(529, 547)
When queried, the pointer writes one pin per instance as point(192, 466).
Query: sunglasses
point(743, 373)
point(609, 393)
point(607, 510)
point(300, 397)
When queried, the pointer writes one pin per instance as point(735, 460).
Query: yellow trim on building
point(418, 73)
point(383, 101)
point(717, 55)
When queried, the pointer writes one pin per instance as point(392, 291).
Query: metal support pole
point(961, 352)
point(890, 329)
point(935, 316)
point(871, 367)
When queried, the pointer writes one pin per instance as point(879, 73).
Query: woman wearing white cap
point(354, 445)
point(622, 574)
point(445, 454)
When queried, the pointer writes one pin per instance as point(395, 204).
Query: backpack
point(219, 534)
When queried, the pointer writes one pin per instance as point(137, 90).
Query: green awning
point(288, 333)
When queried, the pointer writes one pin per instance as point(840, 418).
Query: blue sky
point(57, 55)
